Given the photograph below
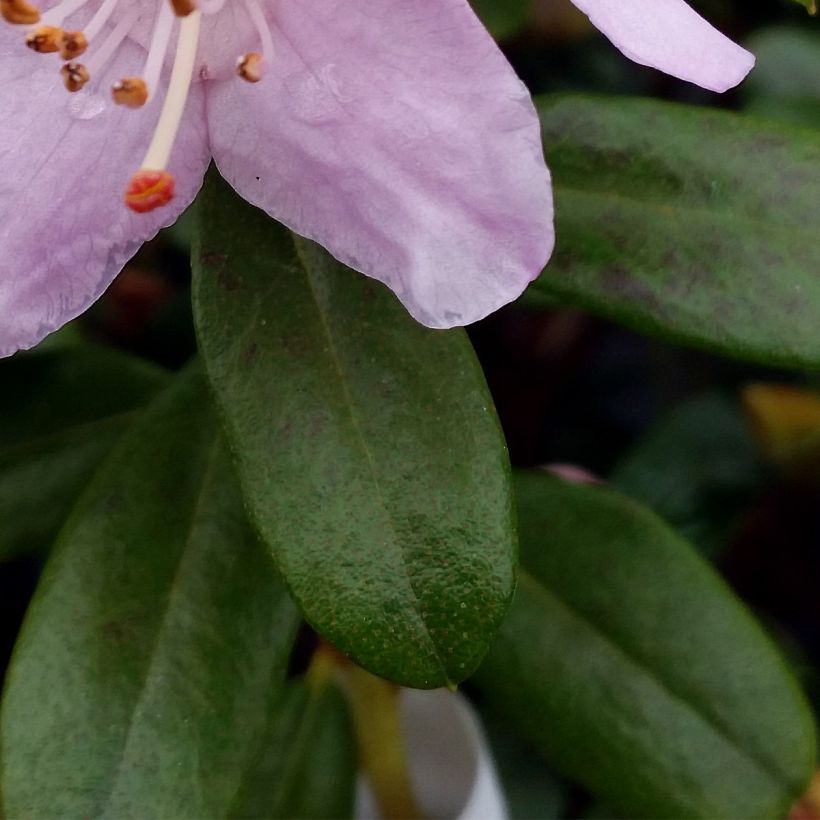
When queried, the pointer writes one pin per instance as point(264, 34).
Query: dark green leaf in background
point(502, 17)
point(157, 642)
point(697, 468)
point(368, 448)
point(786, 81)
point(688, 223)
point(307, 767)
point(60, 413)
point(635, 669)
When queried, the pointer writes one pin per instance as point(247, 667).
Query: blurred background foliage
point(728, 452)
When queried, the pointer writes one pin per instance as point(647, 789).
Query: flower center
point(152, 186)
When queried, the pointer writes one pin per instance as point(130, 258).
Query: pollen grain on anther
point(19, 12)
point(75, 76)
point(45, 39)
point(98, 31)
point(132, 92)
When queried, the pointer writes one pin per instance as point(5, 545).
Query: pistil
point(152, 186)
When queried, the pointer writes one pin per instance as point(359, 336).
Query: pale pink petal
point(65, 161)
point(396, 135)
point(670, 36)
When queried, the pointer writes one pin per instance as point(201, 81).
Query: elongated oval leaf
point(60, 412)
point(157, 640)
point(367, 446)
point(688, 223)
point(634, 668)
point(307, 765)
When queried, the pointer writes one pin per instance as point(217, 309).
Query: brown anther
point(75, 76)
point(73, 45)
point(19, 12)
point(45, 40)
point(250, 67)
point(132, 92)
point(182, 8)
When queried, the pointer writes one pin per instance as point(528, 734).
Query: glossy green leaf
point(688, 223)
point(158, 638)
point(307, 767)
point(367, 445)
point(60, 412)
point(630, 663)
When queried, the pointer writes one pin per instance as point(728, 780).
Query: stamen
point(19, 12)
point(152, 186)
point(45, 39)
point(251, 66)
point(98, 21)
point(75, 76)
point(182, 8)
point(132, 92)
point(157, 49)
point(73, 44)
point(259, 20)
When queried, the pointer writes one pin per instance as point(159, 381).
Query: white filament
point(98, 21)
point(112, 42)
point(159, 152)
point(257, 15)
point(159, 47)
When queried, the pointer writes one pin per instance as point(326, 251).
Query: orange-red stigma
point(52, 32)
point(149, 190)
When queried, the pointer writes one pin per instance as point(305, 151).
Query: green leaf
point(502, 17)
point(60, 412)
point(688, 223)
point(809, 5)
point(630, 663)
point(307, 768)
point(785, 83)
point(157, 640)
point(368, 448)
point(697, 468)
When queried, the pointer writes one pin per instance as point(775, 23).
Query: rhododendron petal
point(396, 135)
point(670, 36)
point(64, 165)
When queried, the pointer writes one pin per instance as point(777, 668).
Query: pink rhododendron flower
point(393, 132)
point(670, 36)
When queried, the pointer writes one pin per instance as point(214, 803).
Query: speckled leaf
point(60, 413)
point(158, 638)
point(306, 767)
point(688, 223)
point(631, 664)
point(367, 445)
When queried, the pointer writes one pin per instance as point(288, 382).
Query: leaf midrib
point(173, 591)
point(525, 578)
point(758, 224)
point(371, 462)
